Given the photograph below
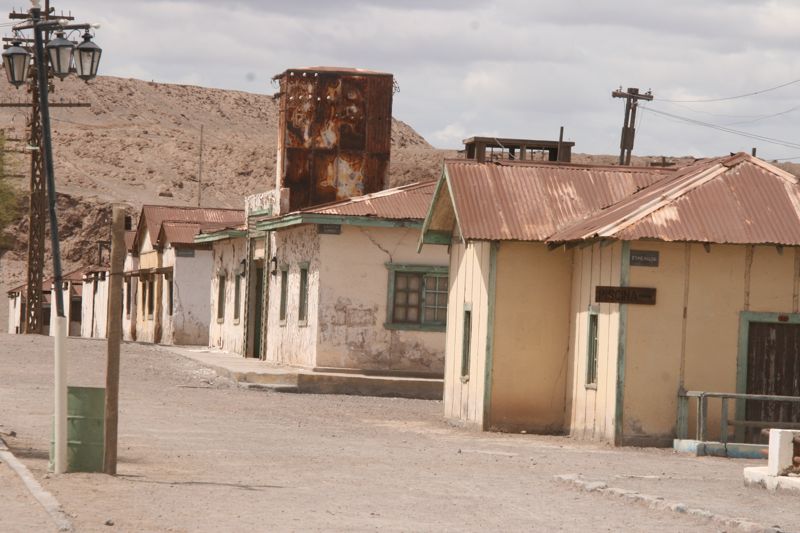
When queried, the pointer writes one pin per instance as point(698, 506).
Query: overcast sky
point(512, 68)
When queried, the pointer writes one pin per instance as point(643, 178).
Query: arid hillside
point(139, 142)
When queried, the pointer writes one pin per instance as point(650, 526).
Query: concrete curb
point(47, 500)
point(660, 504)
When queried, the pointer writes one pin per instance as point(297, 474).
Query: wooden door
point(773, 368)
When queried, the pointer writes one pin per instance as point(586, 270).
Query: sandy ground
point(199, 454)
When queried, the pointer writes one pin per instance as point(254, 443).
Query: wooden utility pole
point(200, 171)
point(632, 97)
point(114, 339)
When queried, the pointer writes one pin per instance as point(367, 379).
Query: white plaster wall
point(14, 312)
point(292, 343)
point(129, 320)
point(227, 335)
point(353, 289)
point(94, 308)
point(191, 315)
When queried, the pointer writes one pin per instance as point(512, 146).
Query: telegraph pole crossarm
point(632, 97)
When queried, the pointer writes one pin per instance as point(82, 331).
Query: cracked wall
point(353, 302)
point(227, 333)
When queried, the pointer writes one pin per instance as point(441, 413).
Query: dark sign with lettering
point(329, 229)
point(644, 258)
point(625, 295)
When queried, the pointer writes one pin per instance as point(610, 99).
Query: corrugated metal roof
point(178, 232)
point(737, 199)
point(154, 215)
point(408, 202)
point(530, 201)
point(75, 276)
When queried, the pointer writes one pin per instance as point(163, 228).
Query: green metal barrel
point(85, 418)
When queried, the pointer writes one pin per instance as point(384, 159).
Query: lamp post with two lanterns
point(60, 54)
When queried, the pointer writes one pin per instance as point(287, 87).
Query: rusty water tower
point(335, 133)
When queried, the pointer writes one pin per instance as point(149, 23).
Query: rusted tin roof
point(154, 215)
point(400, 203)
point(178, 232)
point(737, 199)
point(529, 201)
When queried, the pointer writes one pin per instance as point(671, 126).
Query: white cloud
point(510, 67)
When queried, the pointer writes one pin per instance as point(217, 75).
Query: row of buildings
point(550, 297)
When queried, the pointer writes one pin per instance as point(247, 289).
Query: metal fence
point(725, 422)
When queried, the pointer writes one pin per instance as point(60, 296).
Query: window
point(466, 344)
point(151, 301)
point(302, 306)
point(591, 351)
point(237, 296)
point(417, 297)
point(184, 252)
point(220, 297)
point(284, 294)
point(170, 294)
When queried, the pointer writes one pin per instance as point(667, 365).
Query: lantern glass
point(87, 58)
point(16, 61)
point(59, 51)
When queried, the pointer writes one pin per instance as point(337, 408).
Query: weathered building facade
point(348, 290)
point(172, 274)
point(586, 299)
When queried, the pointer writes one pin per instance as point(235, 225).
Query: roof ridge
point(365, 197)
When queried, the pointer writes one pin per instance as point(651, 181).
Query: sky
point(505, 68)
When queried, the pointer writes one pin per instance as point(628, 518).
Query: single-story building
point(72, 290)
point(344, 288)
point(584, 300)
point(173, 273)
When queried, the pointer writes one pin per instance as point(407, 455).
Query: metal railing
point(702, 413)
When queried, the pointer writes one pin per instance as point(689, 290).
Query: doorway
point(773, 368)
point(258, 312)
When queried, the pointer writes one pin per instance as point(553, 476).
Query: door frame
point(745, 318)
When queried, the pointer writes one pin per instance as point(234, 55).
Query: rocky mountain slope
point(139, 142)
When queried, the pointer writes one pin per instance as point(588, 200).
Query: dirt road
point(199, 454)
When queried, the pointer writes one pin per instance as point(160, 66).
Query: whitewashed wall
point(227, 333)
point(129, 316)
point(191, 315)
point(292, 343)
point(14, 313)
point(354, 286)
point(94, 309)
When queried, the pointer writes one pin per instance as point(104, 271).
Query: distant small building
point(72, 290)
point(172, 274)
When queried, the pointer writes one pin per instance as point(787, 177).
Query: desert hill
point(139, 142)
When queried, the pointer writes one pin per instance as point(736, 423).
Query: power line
point(733, 97)
point(770, 140)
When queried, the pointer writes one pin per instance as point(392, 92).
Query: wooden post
point(114, 336)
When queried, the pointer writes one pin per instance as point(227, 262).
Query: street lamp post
point(15, 58)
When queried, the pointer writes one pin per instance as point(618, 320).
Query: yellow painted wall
point(653, 349)
point(722, 282)
point(469, 285)
point(531, 338)
point(592, 408)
